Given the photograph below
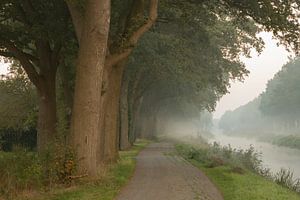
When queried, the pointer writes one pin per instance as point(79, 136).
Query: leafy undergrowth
point(234, 173)
point(105, 188)
point(22, 171)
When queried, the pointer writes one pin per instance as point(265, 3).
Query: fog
point(189, 128)
point(273, 156)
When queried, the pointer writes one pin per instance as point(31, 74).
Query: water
point(273, 157)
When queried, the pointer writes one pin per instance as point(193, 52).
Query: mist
point(270, 122)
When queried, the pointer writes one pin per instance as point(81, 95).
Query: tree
point(280, 101)
point(34, 34)
point(275, 111)
point(97, 86)
point(246, 119)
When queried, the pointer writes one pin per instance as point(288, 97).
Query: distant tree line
point(275, 111)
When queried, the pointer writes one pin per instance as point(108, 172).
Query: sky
point(3, 68)
point(262, 68)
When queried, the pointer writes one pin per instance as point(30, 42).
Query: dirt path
point(161, 175)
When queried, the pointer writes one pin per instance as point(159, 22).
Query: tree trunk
point(85, 125)
point(46, 127)
point(124, 120)
point(136, 121)
point(113, 79)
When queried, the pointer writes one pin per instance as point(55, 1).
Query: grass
point(105, 189)
point(247, 186)
point(241, 186)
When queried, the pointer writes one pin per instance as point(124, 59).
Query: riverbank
point(105, 188)
point(291, 141)
point(233, 172)
point(283, 140)
point(273, 156)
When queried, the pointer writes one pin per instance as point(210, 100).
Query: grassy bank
point(105, 188)
point(233, 172)
point(292, 141)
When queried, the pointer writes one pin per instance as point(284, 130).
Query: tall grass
point(286, 178)
point(240, 161)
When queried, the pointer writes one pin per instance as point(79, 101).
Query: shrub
point(19, 170)
point(59, 164)
point(23, 170)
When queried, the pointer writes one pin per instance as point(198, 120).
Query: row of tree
point(275, 111)
point(104, 69)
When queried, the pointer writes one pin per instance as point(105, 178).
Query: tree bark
point(124, 120)
point(85, 123)
point(136, 120)
point(46, 127)
point(111, 105)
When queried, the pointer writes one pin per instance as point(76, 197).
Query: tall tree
point(34, 34)
point(99, 74)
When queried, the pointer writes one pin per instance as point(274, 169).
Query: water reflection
point(274, 157)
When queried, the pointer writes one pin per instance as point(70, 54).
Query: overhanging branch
point(113, 59)
point(77, 18)
point(24, 59)
point(145, 27)
point(6, 54)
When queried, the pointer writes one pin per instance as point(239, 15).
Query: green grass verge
point(246, 186)
point(106, 188)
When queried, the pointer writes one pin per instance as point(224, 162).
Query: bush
point(216, 155)
point(59, 164)
point(23, 170)
point(20, 170)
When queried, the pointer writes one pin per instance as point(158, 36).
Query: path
point(161, 175)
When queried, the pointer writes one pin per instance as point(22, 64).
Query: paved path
point(161, 175)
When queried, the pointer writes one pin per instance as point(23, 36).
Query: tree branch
point(77, 18)
point(28, 8)
point(6, 54)
point(24, 60)
point(55, 54)
point(22, 18)
point(145, 27)
point(113, 59)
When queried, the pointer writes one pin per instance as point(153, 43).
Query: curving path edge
point(162, 175)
